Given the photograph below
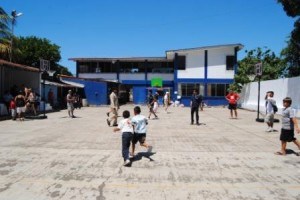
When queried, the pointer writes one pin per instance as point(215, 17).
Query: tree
point(291, 54)
point(272, 67)
point(33, 48)
point(4, 33)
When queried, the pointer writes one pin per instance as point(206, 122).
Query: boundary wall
point(284, 87)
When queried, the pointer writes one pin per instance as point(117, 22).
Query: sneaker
point(108, 122)
point(268, 129)
point(191, 123)
point(150, 149)
point(126, 163)
point(107, 114)
point(115, 124)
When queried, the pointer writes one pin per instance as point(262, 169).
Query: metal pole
point(258, 99)
point(44, 97)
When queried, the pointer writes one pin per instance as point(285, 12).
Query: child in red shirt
point(12, 109)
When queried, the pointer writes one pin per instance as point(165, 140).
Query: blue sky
point(133, 28)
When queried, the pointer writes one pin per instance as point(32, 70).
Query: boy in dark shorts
point(289, 125)
point(139, 123)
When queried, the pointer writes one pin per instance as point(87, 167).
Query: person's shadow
point(290, 151)
point(140, 155)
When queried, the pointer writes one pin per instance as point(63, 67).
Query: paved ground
point(64, 158)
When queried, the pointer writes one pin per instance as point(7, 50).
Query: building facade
point(208, 69)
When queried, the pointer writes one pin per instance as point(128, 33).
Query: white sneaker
point(126, 163)
point(269, 129)
point(150, 149)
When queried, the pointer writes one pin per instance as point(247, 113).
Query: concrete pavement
point(80, 158)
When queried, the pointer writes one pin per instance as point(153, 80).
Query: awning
point(60, 84)
point(73, 84)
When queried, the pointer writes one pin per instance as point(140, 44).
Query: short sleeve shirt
point(139, 122)
point(232, 98)
point(125, 126)
point(287, 115)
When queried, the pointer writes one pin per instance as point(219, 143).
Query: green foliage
point(272, 67)
point(291, 54)
point(4, 33)
point(33, 48)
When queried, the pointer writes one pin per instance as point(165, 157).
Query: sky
point(134, 28)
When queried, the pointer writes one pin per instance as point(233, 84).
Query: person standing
point(20, 105)
point(196, 101)
point(232, 99)
point(70, 104)
point(270, 103)
point(150, 102)
point(114, 106)
point(289, 126)
point(167, 101)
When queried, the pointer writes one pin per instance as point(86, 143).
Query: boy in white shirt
point(270, 102)
point(139, 122)
point(127, 133)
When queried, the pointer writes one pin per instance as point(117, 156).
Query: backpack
point(275, 109)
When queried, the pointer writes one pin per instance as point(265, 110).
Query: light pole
point(14, 15)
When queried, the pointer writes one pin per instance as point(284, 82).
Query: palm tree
point(5, 33)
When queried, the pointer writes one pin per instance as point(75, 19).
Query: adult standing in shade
point(196, 101)
point(114, 105)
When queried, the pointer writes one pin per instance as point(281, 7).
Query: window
point(217, 90)
point(230, 62)
point(181, 62)
point(186, 89)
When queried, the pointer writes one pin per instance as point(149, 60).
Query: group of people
point(24, 101)
point(288, 120)
point(133, 130)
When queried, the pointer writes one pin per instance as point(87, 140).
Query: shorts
point(269, 118)
point(232, 106)
point(70, 107)
point(287, 135)
point(141, 137)
point(21, 110)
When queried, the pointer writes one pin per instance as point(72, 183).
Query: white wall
point(217, 63)
point(108, 76)
point(194, 65)
point(132, 76)
point(164, 76)
point(287, 87)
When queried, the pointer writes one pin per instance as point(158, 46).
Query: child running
point(289, 125)
point(127, 133)
point(139, 122)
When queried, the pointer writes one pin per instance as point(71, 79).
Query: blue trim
point(205, 71)
point(236, 63)
point(175, 86)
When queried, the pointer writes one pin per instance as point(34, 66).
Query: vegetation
point(291, 54)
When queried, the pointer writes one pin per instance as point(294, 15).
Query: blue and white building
point(209, 69)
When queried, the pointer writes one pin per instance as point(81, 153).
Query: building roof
point(130, 59)
point(18, 66)
point(238, 45)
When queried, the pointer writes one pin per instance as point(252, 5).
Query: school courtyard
point(80, 158)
